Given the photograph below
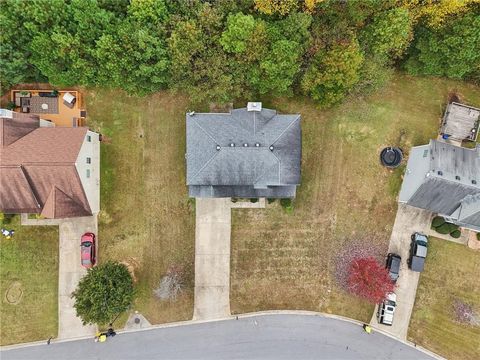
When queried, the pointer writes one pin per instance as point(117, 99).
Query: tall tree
point(106, 291)
point(70, 59)
point(199, 64)
point(452, 50)
point(369, 280)
point(238, 32)
point(388, 34)
point(333, 72)
point(277, 70)
point(135, 50)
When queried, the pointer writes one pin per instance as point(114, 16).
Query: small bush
point(446, 228)
point(287, 205)
point(455, 234)
point(286, 202)
point(443, 229)
point(478, 236)
point(271, 200)
point(254, 200)
point(234, 200)
point(438, 221)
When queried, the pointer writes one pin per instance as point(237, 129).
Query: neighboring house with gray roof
point(444, 179)
point(249, 153)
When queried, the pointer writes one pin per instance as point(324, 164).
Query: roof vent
point(245, 145)
point(218, 147)
point(271, 147)
point(254, 106)
point(257, 144)
point(232, 145)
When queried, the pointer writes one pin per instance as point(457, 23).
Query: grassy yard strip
point(146, 221)
point(282, 261)
point(451, 273)
point(28, 283)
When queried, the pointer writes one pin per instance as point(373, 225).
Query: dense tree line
point(220, 50)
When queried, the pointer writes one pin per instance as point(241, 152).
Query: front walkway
point(407, 221)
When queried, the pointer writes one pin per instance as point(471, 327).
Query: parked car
point(87, 250)
point(386, 310)
point(418, 252)
point(393, 266)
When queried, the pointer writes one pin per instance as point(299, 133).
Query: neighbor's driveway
point(70, 272)
point(212, 258)
point(408, 221)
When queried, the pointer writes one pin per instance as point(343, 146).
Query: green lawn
point(278, 260)
point(28, 283)
point(147, 220)
point(451, 273)
point(282, 261)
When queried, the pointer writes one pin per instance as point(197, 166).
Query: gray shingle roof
point(271, 158)
point(444, 179)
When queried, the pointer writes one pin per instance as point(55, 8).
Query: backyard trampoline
point(391, 157)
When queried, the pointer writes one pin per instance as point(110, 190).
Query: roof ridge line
point(32, 191)
point(205, 131)
point(283, 132)
point(280, 164)
point(204, 165)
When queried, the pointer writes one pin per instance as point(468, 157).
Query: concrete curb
point(232, 317)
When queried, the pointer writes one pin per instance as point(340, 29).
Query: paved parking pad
point(407, 221)
point(212, 258)
point(70, 272)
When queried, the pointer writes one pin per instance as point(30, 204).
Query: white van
point(386, 310)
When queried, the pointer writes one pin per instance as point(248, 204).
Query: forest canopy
point(220, 50)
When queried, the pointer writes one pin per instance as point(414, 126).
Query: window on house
point(89, 138)
point(89, 160)
point(88, 173)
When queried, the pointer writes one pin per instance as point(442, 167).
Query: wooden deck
point(65, 116)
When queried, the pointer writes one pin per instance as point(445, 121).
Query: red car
point(87, 247)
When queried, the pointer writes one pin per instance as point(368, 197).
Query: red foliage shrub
point(369, 280)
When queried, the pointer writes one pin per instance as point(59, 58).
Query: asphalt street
point(258, 337)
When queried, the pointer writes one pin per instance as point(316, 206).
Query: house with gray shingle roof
point(250, 153)
point(444, 179)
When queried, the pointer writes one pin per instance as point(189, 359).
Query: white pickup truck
point(386, 310)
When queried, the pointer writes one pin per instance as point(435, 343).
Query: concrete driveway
point(212, 258)
point(407, 221)
point(70, 272)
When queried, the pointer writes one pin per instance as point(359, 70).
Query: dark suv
point(393, 265)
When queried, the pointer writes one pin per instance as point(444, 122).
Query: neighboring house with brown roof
point(46, 170)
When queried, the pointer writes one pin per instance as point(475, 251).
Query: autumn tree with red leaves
point(369, 280)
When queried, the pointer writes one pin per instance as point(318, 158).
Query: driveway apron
point(70, 272)
point(407, 221)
